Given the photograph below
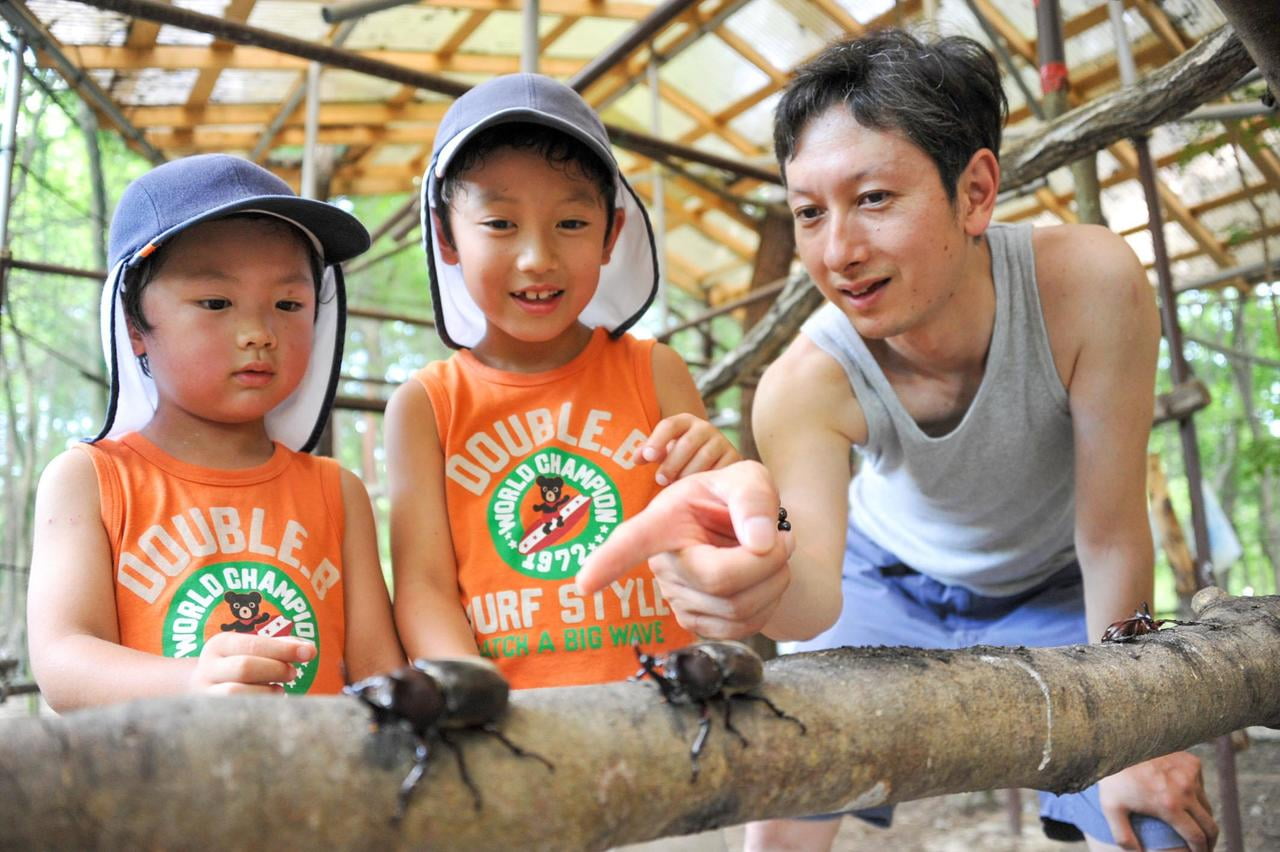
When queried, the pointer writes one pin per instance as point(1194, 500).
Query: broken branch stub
point(884, 725)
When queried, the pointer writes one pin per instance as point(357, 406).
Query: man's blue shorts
point(887, 603)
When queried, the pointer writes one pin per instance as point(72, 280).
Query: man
point(997, 383)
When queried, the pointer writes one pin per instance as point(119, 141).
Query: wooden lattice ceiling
point(720, 66)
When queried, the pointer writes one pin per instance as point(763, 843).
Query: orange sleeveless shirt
point(198, 551)
point(539, 470)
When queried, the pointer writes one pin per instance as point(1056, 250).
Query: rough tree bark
point(884, 725)
point(766, 338)
point(1201, 74)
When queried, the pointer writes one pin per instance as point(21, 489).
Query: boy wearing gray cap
point(193, 545)
point(514, 459)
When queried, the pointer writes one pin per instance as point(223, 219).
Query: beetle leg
point(704, 728)
point(493, 731)
point(774, 707)
point(420, 756)
point(462, 768)
point(728, 721)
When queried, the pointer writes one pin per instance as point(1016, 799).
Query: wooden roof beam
point(706, 120)
point(331, 114)
point(1242, 194)
point(593, 8)
point(1252, 237)
point(247, 58)
point(236, 10)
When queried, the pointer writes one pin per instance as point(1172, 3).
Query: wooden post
point(1169, 531)
point(773, 261)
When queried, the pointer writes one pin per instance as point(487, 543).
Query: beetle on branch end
point(704, 671)
point(432, 698)
point(1139, 624)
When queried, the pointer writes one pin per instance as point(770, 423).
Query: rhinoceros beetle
point(1139, 624)
point(704, 671)
point(433, 698)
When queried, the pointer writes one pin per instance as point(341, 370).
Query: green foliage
point(1260, 457)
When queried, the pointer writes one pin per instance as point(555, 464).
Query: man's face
point(874, 226)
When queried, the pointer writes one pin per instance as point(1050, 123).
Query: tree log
point(884, 725)
point(1204, 72)
point(766, 339)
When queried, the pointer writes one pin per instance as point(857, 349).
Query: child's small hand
point(241, 663)
point(686, 444)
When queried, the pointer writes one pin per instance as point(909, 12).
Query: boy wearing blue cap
point(194, 545)
point(515, 458)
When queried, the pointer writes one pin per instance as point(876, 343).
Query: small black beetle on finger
point(704, 671)
point(432, 698)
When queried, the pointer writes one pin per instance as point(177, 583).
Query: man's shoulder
point(1082, 259)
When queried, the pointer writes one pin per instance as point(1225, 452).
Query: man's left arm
point(1112, 398)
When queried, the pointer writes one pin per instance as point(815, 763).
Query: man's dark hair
point(559, 149)
point(943, 96)
point(136, 278)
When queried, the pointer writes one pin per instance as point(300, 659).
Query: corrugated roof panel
point(1194, 17)
point(756, 124)
point(1232, 221)
point(300, 20)
point(340, 85)
point(867, 10)
point(406, 28)
point(588, 37)
point(501, 33)
point(1097, 45)
point(1124, 205)
point(181, 35)
point(76, 23)
point(734, 76)
point(253, 87)
point(153, 87)
point(778, 35)
point(634, 108)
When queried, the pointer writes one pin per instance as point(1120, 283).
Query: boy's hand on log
point(686, 444)
point(242, 663)
point(712, 541)
point(1170, 788)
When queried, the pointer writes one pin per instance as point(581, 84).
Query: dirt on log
point(884, 725)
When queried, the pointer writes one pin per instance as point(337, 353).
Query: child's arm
point(71, 614)
point(684, 441)
point(427, 610)
point(371, 646)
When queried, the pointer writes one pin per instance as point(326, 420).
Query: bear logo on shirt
point(244, 609)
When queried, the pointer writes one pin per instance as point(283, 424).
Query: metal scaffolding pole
point(8, 145)
point(620, 49)
point(529, 36)
point(22, 21)
point(1224, 752)
point(1055, 82)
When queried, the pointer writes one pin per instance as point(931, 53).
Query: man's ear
point(619, 219)
point(447, 252)
point(976, 192)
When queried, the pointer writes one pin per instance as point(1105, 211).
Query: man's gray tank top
point(990, 505)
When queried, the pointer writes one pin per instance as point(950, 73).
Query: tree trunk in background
point(773, 262)
point(1258, 24)
point(884, 725)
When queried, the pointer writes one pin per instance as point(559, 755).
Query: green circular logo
point(240, 597)
point(550, 512)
